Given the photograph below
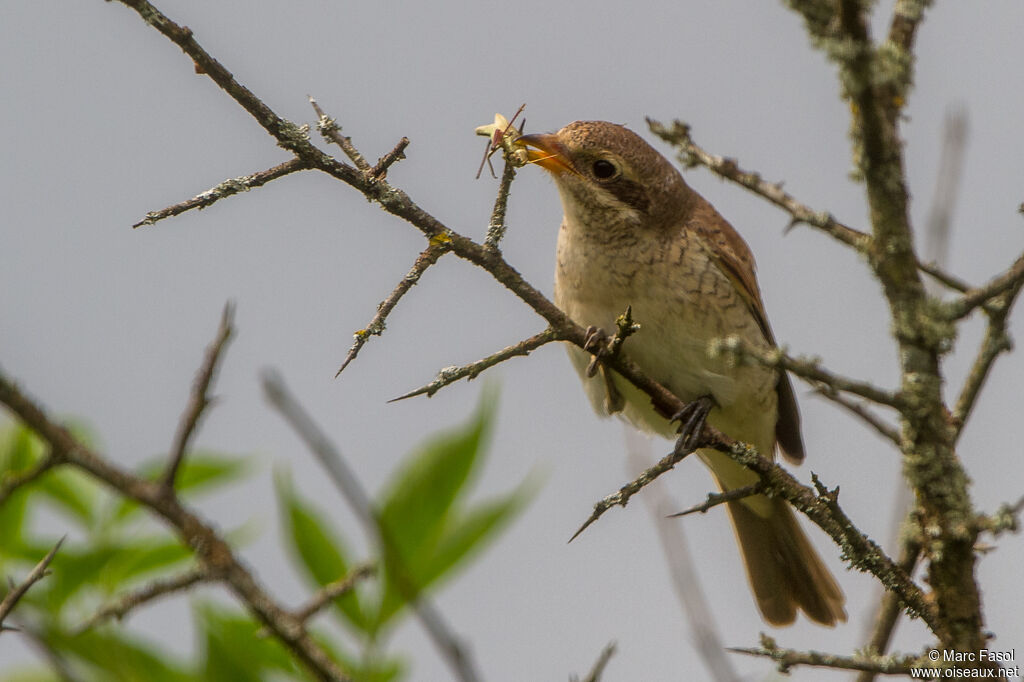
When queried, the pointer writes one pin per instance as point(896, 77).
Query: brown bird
point(635, 234)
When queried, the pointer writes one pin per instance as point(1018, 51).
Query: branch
point(10, 483)
point(1011, 279)
point(621, 498)
point(18, 591)
point(197, 533)
point(819, 504)
point(690, 154)
point(1006, 518)
point(496, 226)
point(352, 490)
point(449, 375)
point(380, 169)
point(715, 499)
point(599, 665)
point(427, 257)
point(809, 370)
point(225, 189)
point(331, 131)
point(160, 587)
point(889, 609)
point(198, 399)
point(333, 590)
point(858, 409)
point(790, 658)
point(996, 342)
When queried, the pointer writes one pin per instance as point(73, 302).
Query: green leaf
point(139, 558)
point(464, 536)
point(74, 492)
point(317, 547)
point(115, 656)
point(423, 511)
point(231, 649)
point(416, 502)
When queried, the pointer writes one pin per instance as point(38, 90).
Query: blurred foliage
point(428, 526)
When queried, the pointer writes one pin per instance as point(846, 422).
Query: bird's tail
point(785, 572)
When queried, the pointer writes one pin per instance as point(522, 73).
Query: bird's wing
point(731, 254)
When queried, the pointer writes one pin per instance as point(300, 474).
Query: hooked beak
point(547, 152)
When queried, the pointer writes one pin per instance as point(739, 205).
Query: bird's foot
point(596, 343)
point(691, 423)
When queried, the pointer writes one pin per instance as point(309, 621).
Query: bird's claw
point(596, 343)
point(691, 423)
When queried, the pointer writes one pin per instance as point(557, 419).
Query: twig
point(198, 399)
point(889, 609)
point(348, 484)
point(331, 131)
point(790, 658)
point(1010, 279)
point(715, 499)
point(496, 226)
point(427, 257)
point(599, 665)
point(821, 506)
point(18, 591)
point(808, 369)
point(331, 591)
point(225, 189)
point(859, 410)
point(160, 587)
point(996, 342)
point(690, 154)
point(621, 497)
point(10, 483)
point(1006, 518)
point(450, 375)
point(197, 533)
point(380, 169)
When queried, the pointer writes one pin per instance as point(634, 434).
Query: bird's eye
point(603, 169)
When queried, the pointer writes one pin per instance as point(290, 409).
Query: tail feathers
point(785, 572)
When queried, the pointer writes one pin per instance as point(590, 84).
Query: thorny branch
point(198, 399)
point(791, 658)
point(450, 375)
point(225, 189)
point(160, 587)
point(810, 370)
point(427, 257)
point(715, 499)
point(691, 154)
point(18, 591)
point(12, 482)
point(213, 553)
point(876, 93)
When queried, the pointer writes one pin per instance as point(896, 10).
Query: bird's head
point(607, 175)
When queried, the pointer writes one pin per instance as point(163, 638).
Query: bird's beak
point(547, 152)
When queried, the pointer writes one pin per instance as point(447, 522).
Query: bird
point(635, 235)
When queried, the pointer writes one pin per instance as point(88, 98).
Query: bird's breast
point(681, 300)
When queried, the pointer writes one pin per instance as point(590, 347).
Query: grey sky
point(105, 120)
